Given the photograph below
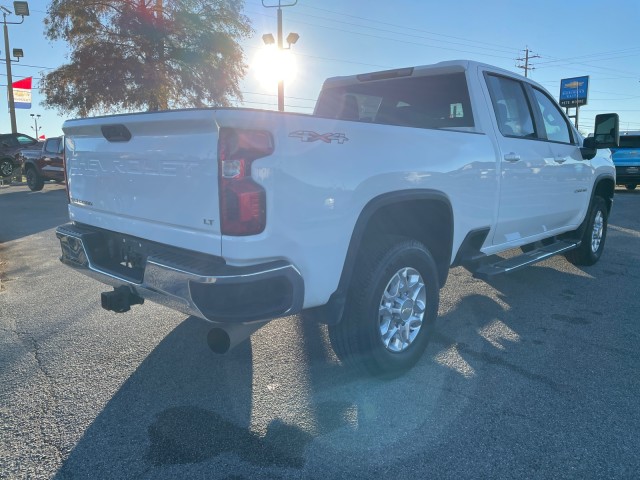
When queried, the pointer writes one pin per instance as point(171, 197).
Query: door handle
point(559, 159)
point(512, 157)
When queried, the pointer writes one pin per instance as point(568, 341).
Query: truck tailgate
point(151, 175)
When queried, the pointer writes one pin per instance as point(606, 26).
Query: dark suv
point(10, 145)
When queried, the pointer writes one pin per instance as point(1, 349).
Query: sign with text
point(22, 93)
point(573, 91)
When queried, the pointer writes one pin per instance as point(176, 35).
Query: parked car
point(44, 164)
point(10, 145)
point(626, 158)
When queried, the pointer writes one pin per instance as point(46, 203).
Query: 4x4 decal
point(308, 136)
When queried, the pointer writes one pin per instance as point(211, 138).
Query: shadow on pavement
point(183, 405)
point(25, 213)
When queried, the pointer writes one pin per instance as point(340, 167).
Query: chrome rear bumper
point(203, 286)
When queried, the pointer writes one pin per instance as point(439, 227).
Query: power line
point(502, 47)
point(591, 55)
point(370, 35)
point(404, 27)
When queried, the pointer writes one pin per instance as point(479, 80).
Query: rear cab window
point(438, 101)
point(52, 146)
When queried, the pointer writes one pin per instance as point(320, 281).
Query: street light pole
point(281, 81)
point(35, 119)
point(280, 45)
point(22, 9)
point(12, 107)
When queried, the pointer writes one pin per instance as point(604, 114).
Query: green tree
point(131, 55)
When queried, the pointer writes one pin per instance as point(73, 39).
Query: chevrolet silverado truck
point(626, 159)
point(352, 215)
point(44, 164)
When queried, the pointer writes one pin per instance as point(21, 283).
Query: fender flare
point(26, 163)
point(331, 312)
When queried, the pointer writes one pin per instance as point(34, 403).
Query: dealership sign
point(573, 91)
point(22, 93)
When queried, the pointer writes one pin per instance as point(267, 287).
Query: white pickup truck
point(353, 214)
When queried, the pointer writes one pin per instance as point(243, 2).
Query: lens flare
point(272, 65)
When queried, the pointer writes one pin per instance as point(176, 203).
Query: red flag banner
point(22, 93)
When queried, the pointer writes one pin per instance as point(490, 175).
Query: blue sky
point(340, 37)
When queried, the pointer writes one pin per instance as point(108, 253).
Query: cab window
point(511, 107)
point(555, 124)
point(8, 141)
point(53, 146)
point(24, 140)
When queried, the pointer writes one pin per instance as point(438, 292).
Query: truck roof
point(451, 66)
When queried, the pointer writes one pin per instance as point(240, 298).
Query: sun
point(272, 65)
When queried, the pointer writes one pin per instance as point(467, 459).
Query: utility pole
point(527, 56)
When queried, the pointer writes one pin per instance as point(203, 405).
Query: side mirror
point(606, 132)
point(606, 135)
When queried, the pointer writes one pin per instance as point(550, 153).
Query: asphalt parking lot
point(534, 375)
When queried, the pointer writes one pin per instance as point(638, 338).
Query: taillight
point(243, 203)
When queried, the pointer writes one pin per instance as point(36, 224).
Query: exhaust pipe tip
point(218, 340)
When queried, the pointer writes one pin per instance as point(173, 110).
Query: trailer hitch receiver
point(120, 300)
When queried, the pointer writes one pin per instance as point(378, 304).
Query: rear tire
point(595, 234)
point(631, 186)
point(391, 308)
point(6, 168)
point(34, 181)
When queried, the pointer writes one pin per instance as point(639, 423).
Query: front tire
point(391, 308)
point(595, 234)
point(631, 186)
point(34, 181)
point(6, 168)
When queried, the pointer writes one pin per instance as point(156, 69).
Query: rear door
point(524, 203)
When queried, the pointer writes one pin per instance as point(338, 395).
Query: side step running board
point(514, 263)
